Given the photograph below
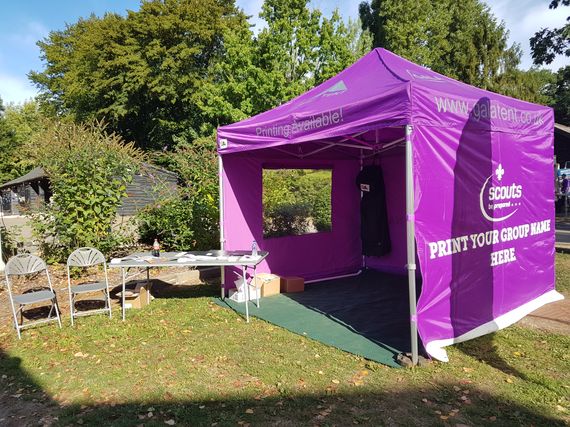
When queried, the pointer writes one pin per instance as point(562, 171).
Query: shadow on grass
point(23, 403)
point(161, 289)
point(485, 349)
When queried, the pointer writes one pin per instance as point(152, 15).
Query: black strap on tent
point(374, 230)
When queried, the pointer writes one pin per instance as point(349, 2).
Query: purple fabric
point(311, 255)
point(483, 187)
point(393, 165)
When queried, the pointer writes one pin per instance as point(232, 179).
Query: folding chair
point(84, 258)
point(25, 265)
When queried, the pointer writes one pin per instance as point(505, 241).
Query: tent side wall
point(393, 164)
point(484, 214)
point(311, 256)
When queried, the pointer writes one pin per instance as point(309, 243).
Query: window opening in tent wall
point(296, 202)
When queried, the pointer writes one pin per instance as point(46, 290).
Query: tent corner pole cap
point(411, 266)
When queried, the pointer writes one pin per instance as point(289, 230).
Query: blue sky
point(24, 22)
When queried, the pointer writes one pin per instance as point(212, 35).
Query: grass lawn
point(185, 360)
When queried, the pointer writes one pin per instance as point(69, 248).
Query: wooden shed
point(30, 191)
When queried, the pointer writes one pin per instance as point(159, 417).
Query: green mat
point(283, 311)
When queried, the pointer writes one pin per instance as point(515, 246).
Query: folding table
point(213, 258)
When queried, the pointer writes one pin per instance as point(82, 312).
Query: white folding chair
point(84, 258)
point(27, 265)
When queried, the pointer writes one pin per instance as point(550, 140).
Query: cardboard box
point(270, 284)
point(292, 284)
point(138, 297)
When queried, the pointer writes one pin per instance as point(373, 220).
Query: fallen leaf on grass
point(249, 411)
point(467, 369)
point(493, 418)
point(170, 422)
point(560, 408)
point(509, 380)
point(335, 381)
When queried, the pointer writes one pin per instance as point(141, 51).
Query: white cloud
point(29, 35)
point(523, 18)
point(15, 89)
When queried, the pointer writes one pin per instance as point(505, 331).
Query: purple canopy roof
point(378, 91)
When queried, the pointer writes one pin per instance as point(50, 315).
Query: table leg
point(246, 291)
point(257, 287)
point(222, 284)
point(123, 293)
point(148, 285)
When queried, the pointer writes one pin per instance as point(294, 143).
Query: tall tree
point(298, 49)
point(547, 44)
point(339, 46)
point(18, 123)
point(460, 39)
point(287, 47)
point(560, 92)
point(139, 72)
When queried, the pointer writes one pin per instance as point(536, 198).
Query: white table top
point(189, 259)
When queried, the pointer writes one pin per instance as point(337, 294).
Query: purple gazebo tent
point(469, 180)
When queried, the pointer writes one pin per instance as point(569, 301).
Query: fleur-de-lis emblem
point(499, 172)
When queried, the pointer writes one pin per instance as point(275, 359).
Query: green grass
point(563, 273)
point(183, 358)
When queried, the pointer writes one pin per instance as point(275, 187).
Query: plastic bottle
point(254, 248)
point(156, 248)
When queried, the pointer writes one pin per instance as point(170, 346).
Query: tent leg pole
point(411, 245)
point(221, 209)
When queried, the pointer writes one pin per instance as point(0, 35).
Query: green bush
point(290, 219)
point(189, 220)
point(296, 201)
point(184, 222)
point(8, 243)
point(89, 170)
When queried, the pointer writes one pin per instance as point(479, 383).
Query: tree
point(300, 48)
point(339, 46)
point(560, 92)
point(139, 72)
point(6, 143)
point(547, 44)
point(534, 85)
point(18, 123)
point(462, 40)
